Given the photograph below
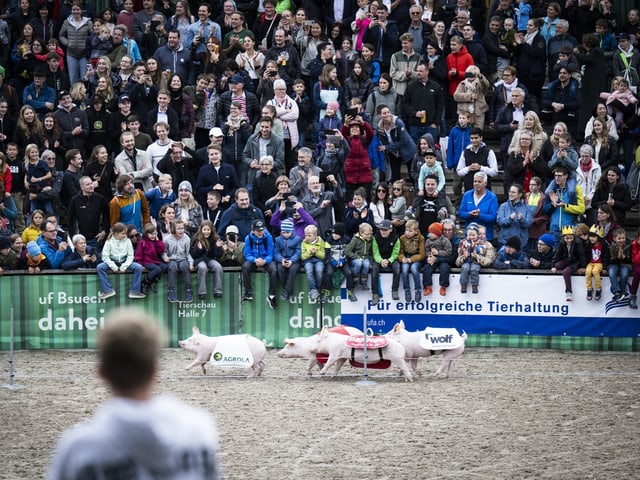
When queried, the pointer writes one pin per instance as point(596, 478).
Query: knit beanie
point(33, 249)
point(436, 229)
point(334, 105)
point(548, 239)
point(286, 226)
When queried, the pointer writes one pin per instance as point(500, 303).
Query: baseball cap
point(123, 98)
point(257, 225)
point(385, 225)
point(237, 78)
point(231, 229)
point(216, 132)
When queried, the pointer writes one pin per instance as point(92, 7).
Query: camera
point(146, 72)
point(308, 23)
point(469, 75)
point(154, 24)
point(375, 18)
point(273, 73)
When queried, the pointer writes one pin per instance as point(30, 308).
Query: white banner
point(441, 339)
point(232, 351)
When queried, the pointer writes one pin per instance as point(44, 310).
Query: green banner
point(63, 311)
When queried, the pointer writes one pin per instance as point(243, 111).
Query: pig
point(336, 345)
point(203, 346)
point(411, 343)
point(300, 347)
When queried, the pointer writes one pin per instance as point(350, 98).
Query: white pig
point(411, 343)
point(336, 345)
point(300, 347)
point(203, 346)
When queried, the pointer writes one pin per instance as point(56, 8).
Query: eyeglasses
point(447, 229)
point(559, 174)
point(416, 13)
point(51, 231)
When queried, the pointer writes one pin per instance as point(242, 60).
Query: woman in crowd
point(358, 84)
point(531, 54)
point(52, 139)
point(187, 209)
point(611, 194)
point(73, 35)
point(288, 113)
point(605, 147)
point(525, 162)
point(379, 205)
point(157, 76)
point(383, 94)
point(183, 105)
point(514, 217)
point(28, 128)
point(180, 21)
point(600, 110)
point(101, 169)
point(587, 176)
point(205, 252)
point(251, 60)
point(104, 89)
point(395, 141)
point(531, 123)
point(102, 69)
point(307, 41)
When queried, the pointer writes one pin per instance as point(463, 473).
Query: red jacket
point(357, 166)
point(460, 61)
point(149, 251)
point(635, 251)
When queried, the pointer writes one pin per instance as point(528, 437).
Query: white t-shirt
point(159, 438)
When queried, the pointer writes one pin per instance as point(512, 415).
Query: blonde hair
point(364, 228)
point(311, 229)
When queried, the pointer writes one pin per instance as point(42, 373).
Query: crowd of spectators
point(144, 113)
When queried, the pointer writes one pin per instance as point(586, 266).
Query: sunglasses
point(382, 190)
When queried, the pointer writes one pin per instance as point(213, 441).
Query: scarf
point(530, 36)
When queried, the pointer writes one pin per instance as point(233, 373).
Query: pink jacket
point(287, 111)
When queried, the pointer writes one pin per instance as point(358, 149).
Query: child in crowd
point(357, 212)
point(459, 138)
point(541, 257)
point(213, 212)
point(570, 257)
point(83, 256)
point(177, 246)
point(33, 231)
point(412, 254)
point(620, 266)
point(150, 253)
point(635, 282)
point(117, 256)
point(313, 255)
point(524, 14)
point(286, 255)
point(473, 254)
point(36, 261)
point(329, 123)
point(160, 195)
point(598, 255)
point(510, 256)
point(336, 242)
point(205, 253)
point(305, 109)
point(430, 167)
point(359, 253)
point(568, 157)
point(356, 104)
point(232, 248)
point(386, 249)
point(8, 257)
point(37, 177)
point(567, 59)
point(398, 207)
point(437, 250)
point(620, 102)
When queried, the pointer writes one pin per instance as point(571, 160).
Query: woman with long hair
point(183, 105)
point(327, 89)
point(525, 161)
point(103, 69)
point(251, 60)
point(101, 169)
point(29, 128)
point(212, 60)
point(531, 123)
point(180, 21)
point(156, 74)
point(611, 194)
point(52, 138)
point(307, 40)
point(188, 209)
point(78, 92)
point(372, 63)
point(104, 88)
point(439, 36)
point(600, 110)
point(74, 33)
point(205, 250)
point(358, 84)
point(531, 50)
point(605, 147)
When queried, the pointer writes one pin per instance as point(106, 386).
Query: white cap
point(216, 132)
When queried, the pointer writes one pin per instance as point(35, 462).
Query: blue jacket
point(55, 256)
point(401, 145)
point(458, 141)
point(488, 207)
point(37, 100)
point(255, 247)
point(567, 215)
point(517, 260)
point(514, 227)
point(241, 218)
point(287, 248)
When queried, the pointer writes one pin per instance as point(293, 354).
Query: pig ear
point(401, 323)
point(396, 327)
point(288, 341)
point(196, 330)
point(325, 331)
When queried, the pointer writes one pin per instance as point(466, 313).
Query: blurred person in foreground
point(137, 434)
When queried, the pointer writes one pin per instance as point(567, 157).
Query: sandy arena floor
point(505, 414)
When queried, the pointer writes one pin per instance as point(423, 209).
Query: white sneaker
point(105, 295)
point(569, 296)
point(137, 295)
